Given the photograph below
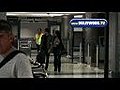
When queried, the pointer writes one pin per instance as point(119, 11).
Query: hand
point(49, 51)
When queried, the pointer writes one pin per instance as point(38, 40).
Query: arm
point(23, 67)
point(50, 43)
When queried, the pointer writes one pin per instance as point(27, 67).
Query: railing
point(97, 57)
point(88, 55)
point(25, 45)
point(80, 53)
point(88, 58)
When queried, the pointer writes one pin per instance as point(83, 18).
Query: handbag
point(63, 51)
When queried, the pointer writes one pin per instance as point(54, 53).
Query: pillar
point(114, 43)
point(67, 33)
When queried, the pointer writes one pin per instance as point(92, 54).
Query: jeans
point(57, 59)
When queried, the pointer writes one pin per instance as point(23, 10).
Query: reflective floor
point(72, 70)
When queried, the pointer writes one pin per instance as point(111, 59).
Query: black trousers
point(46, 60)
point(38, 48)
point(46, 57)
point(57, 59)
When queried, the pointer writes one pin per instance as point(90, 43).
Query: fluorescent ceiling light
point(68, 12)
point(33, 14)
point(41, 14)
point(78, 16)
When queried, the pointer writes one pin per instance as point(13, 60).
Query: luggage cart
point(25, 46)
point(38, 69)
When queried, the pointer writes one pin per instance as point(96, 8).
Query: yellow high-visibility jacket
point(38, 38)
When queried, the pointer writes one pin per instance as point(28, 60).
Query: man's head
point(6, 36)
point(47, 31)
point(39, 30)
point(5, 26)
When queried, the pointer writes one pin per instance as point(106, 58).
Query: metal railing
point(88, 57)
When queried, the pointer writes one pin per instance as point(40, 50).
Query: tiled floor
point(70, 70)
point(76, 76)
point(73, 70)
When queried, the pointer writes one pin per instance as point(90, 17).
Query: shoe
point(59, 71)
point(39, 66)
point(43, 65)
point(55, 72)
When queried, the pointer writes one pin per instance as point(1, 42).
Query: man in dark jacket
point(46, 43)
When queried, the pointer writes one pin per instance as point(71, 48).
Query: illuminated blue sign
point(88, 22)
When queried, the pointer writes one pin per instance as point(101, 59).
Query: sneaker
point(59, 70)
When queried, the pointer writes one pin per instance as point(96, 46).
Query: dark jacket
point(46, 41)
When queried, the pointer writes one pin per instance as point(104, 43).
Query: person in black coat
point(46, 42)
point(57, 47)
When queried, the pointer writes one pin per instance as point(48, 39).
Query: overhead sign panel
point(76, 22)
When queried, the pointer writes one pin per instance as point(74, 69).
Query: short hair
point(57, 32)
point(47, 30)
point(5, 26)
point(39, 29)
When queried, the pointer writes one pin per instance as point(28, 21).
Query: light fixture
point(67, 12)
point(40, 14)
point(78, 16)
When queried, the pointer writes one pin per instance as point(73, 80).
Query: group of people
point(19, 66)
point(49, 43)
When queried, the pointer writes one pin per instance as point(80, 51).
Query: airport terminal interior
point(90, 51)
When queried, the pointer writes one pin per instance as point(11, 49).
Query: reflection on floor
point(73, 70)
point(76, 76)
point(70, 70)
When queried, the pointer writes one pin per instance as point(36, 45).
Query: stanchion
point(96, 68)
point(68, 56)
point(80, 53)
point(88, 57)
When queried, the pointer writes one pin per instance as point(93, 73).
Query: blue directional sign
point(77, 22)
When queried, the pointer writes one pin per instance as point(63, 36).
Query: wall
point(28, 30)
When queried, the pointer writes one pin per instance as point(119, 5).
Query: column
point(114, 43)
point(67, 33)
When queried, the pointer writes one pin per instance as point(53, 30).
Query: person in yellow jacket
point(38, 36)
